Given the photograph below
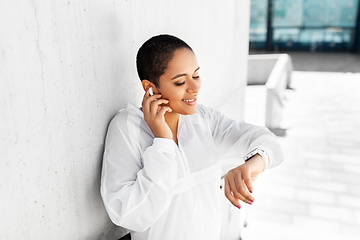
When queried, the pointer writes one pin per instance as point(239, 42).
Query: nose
point(193, 85)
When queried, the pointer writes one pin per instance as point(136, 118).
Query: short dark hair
point(155, 54)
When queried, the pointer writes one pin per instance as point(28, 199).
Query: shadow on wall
point(113, 230)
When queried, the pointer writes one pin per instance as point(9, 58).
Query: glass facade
point(317, 25)
point(258, 23)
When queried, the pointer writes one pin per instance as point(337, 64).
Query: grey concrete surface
point(315, 192)
point(323, 62)
point(326, 62)
point(66, 68)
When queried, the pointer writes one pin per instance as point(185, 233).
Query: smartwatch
point(259, 151)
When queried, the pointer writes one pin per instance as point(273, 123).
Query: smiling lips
point(189, 101)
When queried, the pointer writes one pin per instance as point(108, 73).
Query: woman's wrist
point(257, 163)
point(259, 152)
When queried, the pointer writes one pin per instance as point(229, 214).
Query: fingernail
point(250, 191)
point(238, 207)
point(250, 203)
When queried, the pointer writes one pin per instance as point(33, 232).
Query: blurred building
point(305, 25)
point(314, 194)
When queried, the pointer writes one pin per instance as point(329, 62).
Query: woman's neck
point(172, 120)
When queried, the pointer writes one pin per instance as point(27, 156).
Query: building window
point(315, 25)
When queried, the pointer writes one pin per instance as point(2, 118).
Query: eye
point(179, 84)
point(196, 77)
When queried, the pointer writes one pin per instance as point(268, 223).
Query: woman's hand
point(154, 115)
point(238, 181)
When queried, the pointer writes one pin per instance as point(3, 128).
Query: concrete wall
point(260, 67)
point(66, 67)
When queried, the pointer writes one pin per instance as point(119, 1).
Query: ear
point(146, 84)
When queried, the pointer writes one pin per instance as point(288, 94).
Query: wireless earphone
point(151, 91)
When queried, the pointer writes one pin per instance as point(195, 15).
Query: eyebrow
point(183, 74)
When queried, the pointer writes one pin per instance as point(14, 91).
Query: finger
point(154, 97)
point(162, 105)
point(146, 96)
point(229, 196)
point(163, 110)
point(151, 98)
point(161, 101)
point(156, 103)
point(236, 191)
point(248, 182)
point(242, 190)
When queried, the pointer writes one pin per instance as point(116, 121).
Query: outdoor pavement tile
point(350, 230)
point(333, 141)
point(275, 231)
point(267, 232)
point(352, 168)
point(330, 186)
point(315, 196)
point(292, 156)
point(314, 173)
point(354, 189)
point(349, 201)
point(357, 217)
point(341, 214)
point(302, 145)
point(308, 132)
point(277, 190)
point(345, 158)
point(292, 161)
point(350, 150)
point(317, 155)
point(284, 169)
point(317, 224)
point(288, 180)
point(322, 159)
point(303, 140)
point(323, 165)
point(268, 215)
point(344, 130)
point(351, 178)
point(285, 205)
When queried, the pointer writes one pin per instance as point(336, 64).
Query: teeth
point(191, 100)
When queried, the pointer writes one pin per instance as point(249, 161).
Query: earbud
point(151, 91)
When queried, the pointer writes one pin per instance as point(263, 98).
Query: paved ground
point(322, 61)
point(326, 62)
point(315, 193)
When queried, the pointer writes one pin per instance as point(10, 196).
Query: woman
point(161, 169)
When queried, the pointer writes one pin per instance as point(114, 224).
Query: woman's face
point(181, 82)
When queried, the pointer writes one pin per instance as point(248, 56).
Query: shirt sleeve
point(136, 187)
point(235, 138)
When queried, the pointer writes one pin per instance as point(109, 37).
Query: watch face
point(250, 154)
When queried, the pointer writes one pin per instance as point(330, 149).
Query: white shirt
point(161, 190)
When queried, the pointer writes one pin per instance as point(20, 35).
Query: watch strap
point(259, 151)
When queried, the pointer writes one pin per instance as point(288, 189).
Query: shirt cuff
point(164, 143)
point(159, 160)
